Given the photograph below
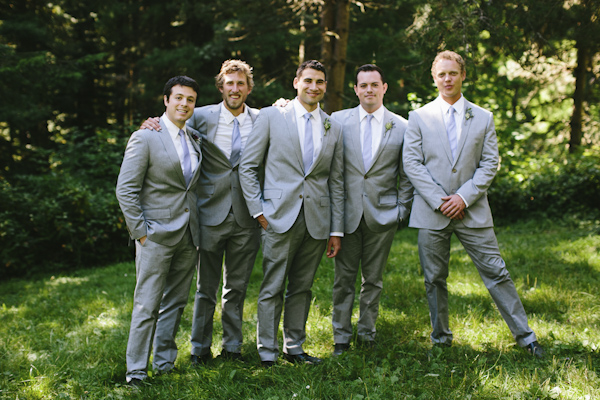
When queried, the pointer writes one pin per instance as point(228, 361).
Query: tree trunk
point(335, 22)
point(583, 60)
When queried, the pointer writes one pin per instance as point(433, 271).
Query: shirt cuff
point(461, 196)
point(338, 234)
point(260, 213)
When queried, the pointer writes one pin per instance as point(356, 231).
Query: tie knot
point(181, 133)
point(236, 122)
point(307, 116)
point(451, 110)
point(369, 117)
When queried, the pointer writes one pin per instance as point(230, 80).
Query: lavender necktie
point(451, 131)
point(187, 161)
point(308, 144)
point(368, 143)
point(236, 142)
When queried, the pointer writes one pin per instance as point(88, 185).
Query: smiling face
point(235, 90)
point(448, 78)
point(370, 89)
point(311, 87)
point(180, 104)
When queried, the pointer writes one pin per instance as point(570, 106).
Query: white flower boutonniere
point(389, 126)
point(468, 114)
point(326, 125)
point(197, 139)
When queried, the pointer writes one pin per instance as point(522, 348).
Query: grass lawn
point(64, 336)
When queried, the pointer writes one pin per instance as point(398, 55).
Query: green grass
point(64, 337)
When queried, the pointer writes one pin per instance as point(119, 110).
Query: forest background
point(77, 77)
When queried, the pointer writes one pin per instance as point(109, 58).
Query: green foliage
point(65, 336)
point(546, 188)
point(68, 216)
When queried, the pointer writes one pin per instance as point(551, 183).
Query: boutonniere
point(196, 139)
point(326, 125)
point(389, 126)
point(468, 114)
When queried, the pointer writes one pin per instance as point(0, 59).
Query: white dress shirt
point(459, 113)
point(376, 129)
point(225, 128)
point(316, 124)
point(174, 133)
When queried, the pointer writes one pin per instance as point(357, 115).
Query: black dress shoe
point(302, 359)
point(200, 360)
point(135, 383)
point(267, 364)
point(231, 355)
point(340, 348)
point(535, 349)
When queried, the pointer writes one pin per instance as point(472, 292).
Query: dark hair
point(313, 64)
point(367, 68)
point(182, 81)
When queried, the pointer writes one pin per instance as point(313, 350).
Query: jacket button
point(187, 210)
point(300, 196)
point(454, 170)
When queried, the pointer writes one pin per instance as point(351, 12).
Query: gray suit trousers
point(370, 250)
point(240, 246)
point(163, 279)
point(294, 255)
point(481, 245)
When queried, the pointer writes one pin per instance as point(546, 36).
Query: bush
point(68, 217)
point(544, 188)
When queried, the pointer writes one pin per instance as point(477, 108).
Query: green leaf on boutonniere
point(326, 125)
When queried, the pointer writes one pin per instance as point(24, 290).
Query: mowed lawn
point(64, 336)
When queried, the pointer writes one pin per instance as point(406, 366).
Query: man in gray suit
point(226, 225)
point(378, 196)
point(300, 207)
point(451, 158)
point(156, 190)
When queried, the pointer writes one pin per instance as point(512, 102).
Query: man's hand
point(333, 246)
point(453, 207)
point(151, 123)
point(142, 240)
point(262, 221)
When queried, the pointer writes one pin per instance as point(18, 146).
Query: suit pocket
point(269, 194)
point(388, 199)
point(325, 202)
point(157, 213)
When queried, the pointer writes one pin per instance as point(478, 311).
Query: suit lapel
point(466, 125)
point(289, 116)
point(165, 137)
point(385, 134)
point(325, 138)
point(355, 144)
point(212, 122)
point(440, 127)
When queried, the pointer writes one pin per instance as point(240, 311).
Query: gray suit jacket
point(429, 165)
point(151, 189)
point(219, 183)
point(383, 194)
point(274, 142)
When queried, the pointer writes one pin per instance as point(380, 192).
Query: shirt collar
point(229, 116)
point(171, 127)
point(300, 110)
point(459, 106)
point(378, 114)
